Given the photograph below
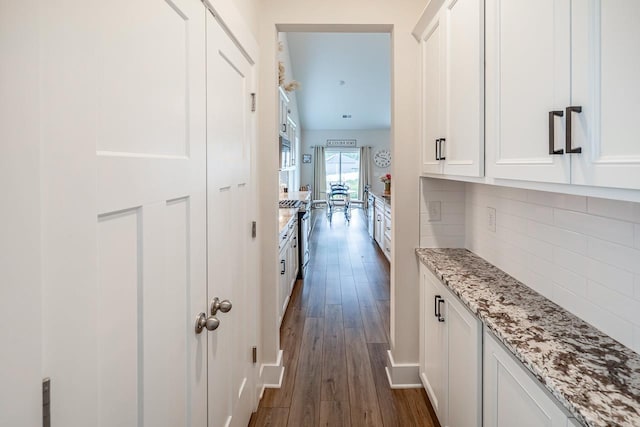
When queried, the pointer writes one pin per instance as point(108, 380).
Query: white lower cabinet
point(450, 354)
point(289, 265)
point(512, 396)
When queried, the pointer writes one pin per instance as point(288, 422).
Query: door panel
point(527, 75)
point(128, 116)
point(605, 58)
point(229, 83)
point(433, 95)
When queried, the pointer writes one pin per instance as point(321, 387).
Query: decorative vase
point(387, 188)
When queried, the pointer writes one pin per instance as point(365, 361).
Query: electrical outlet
point(491, 219)
point(435, 210)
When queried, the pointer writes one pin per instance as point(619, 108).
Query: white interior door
point(125, 212)
point(230, 263)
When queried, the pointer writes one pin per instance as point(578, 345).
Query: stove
point(289, 204)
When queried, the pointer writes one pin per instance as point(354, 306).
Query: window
point(344, 166)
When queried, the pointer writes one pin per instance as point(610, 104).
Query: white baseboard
point(402, 375)
point(271, 374)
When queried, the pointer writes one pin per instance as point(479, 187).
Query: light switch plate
point(435, 210)
point(491, 219)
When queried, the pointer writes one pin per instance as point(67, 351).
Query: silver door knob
point(223, 306)
point(202, 321)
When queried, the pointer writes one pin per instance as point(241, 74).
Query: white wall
point(399, 17)
point(376, 138)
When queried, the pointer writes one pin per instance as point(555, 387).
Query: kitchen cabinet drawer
point(387, 248)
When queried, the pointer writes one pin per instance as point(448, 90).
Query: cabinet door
point(528, 72)
point(606, 66)
point(282, 285)
point(464, 343)
point(463, 148)
point(512, 397)
point(433, 374)
point(433, 96)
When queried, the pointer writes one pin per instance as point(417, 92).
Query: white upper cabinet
point(605, 70)
point(453, 89)
point(562, 98)
point(528, 76)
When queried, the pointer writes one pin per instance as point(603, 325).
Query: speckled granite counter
point(284, 217)
point(596, 378)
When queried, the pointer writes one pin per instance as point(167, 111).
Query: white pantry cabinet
point(562, 98)
point(450, 354)
point(452, 75)
point(512, 397)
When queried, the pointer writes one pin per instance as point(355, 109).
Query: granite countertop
point(386, 199)
point(296, 195)
point(596, 378)
point(284, 217)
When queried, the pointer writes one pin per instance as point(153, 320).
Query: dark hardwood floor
point(335, 337)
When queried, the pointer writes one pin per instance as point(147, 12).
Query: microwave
point(285, 153)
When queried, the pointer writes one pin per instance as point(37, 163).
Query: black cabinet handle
point(441, 156)
point(437, 143)
point(440, 318)
point(435, 306)
point(284, 266)
point(568, 141)
point(552, 132)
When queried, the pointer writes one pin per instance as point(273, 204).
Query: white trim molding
point(271, 374)
point(402, 375)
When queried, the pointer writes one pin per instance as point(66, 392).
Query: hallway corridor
point(335, 337)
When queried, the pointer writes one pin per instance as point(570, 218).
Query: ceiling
point(342, 74)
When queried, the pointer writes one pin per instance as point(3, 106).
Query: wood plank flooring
point(335, 336)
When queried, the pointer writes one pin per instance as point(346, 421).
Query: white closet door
point(528, 72)
point(229, 87)
point(606, 65)
point(124, 212)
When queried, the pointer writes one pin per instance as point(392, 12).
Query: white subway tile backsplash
point(570, 260)
point(604, 228)
point(557, 200)
point(569, 280)
point(610, 276)
point(445, 218)
point(627, 308)
point(610, 324)
point(618, 209)
point(570, 240)
point(582, 253)
point(620, 256)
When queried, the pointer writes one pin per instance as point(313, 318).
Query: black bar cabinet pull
point(284, 266)
point(435, 306)
point(568, 141)
point(437, 143)
point(440, 318)
point(441, 156)
point(552, 132)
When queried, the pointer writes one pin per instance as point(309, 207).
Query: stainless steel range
point(304, 231)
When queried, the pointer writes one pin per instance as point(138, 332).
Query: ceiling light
point(341, 82)
point(346, 116)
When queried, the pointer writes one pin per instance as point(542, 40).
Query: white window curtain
point(319, 174)
point(365, 171)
